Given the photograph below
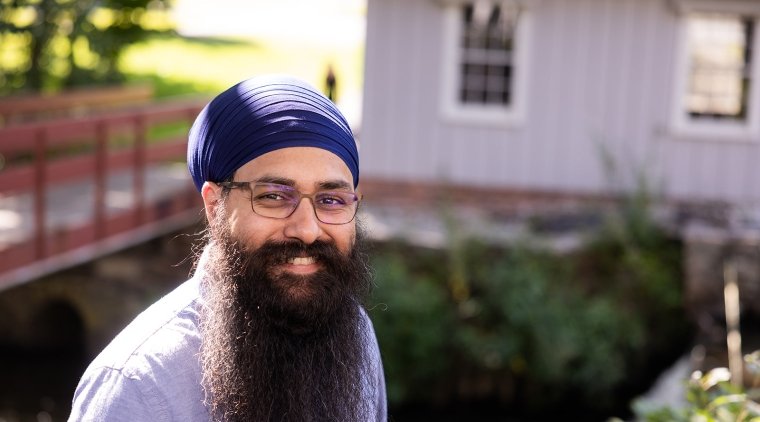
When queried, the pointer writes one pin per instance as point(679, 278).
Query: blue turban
point(260, 115)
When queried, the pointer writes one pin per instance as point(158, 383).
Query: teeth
point(301, 261)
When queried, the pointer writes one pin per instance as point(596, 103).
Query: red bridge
point(72, 189)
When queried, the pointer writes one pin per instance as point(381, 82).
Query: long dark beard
point(280, 347)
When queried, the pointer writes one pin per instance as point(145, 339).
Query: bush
point(529, 329)
point(412, 329)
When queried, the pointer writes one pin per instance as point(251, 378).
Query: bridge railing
point(39, 159)
point(74, 102)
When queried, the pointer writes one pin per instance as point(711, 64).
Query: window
point(486, 64)
point(719, 75)
point(484, 68)
point(720, 52)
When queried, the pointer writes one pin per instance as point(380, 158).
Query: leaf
point(714, 377)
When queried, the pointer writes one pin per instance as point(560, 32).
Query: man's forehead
point(297, 166)
point(319, 184)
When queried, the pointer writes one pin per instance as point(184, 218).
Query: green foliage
point(633, 260)
point(522, 295)
point(418, 317)
point(49, 44)
point(522, 322)
point(527, 327)
point(711, 397)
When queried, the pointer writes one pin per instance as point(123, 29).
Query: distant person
point(271, 326)
point(331, 84)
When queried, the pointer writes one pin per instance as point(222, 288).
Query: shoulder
point(153, 359)
point(167, 327)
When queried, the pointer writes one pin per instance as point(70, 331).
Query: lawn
point(205, 66)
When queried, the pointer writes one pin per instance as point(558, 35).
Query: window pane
point(487, 46)
point(719, 53)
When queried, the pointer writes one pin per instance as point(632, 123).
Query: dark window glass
point(487, 54)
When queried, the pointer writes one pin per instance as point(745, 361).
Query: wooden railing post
point(40, 188)
point(101, 179)
point(140, 167)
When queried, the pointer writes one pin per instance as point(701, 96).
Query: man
point(270, 327)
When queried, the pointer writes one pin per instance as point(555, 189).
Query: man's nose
point(303, 223)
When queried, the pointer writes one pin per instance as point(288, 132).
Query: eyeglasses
point(281, 201)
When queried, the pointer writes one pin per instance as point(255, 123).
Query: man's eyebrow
point(276, 180)
point(334, 184)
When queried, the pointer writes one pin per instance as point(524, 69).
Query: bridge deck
point(70, 205)
point(73, 189)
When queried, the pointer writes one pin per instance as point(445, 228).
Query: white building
point(531, 94)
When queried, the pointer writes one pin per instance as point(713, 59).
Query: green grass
point(205, 66)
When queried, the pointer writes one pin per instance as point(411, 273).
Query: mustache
point(280, 252)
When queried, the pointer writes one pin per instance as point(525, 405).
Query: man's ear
point(212, 194)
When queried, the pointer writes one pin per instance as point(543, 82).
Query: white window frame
point(452, 109)
point(685, 126)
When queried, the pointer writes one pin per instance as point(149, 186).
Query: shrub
point(527, 328)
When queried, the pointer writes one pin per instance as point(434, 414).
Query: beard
point(278, 346)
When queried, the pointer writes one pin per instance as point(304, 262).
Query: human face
point(308, 170)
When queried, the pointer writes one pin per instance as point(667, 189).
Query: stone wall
point(90, 303)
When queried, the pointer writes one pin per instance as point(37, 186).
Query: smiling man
point(271, 326)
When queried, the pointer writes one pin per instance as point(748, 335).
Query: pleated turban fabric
point(260, 115)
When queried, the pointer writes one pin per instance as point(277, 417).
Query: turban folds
point(260, 115)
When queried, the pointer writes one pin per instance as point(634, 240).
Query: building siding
point(601, 78)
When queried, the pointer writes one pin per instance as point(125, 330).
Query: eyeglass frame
point(229, 184)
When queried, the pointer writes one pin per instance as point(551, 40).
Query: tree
point(49, 44)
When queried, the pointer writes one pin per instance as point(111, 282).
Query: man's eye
point(331, 200)
point(272, 197)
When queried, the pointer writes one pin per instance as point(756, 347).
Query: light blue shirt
point(151, 370)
